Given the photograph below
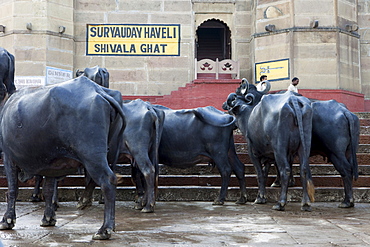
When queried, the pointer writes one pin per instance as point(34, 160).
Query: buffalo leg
point(36, 195)
point(11, 172)
point(86, 198)
point(284, 169)
point(239, 170)
point(104, 177)
point(344, 168)
point(148, 171)
point(276, 183)
point(55, 196)
point(306, 180)
point(261, 179)
point(224, 168)
point(348, 201)
point(48, 191)
point(138, 180)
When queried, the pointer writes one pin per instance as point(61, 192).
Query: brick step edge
point(192, 193)
point(205, 169)
point(204, 180)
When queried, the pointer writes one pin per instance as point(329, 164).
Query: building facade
point(151, 48)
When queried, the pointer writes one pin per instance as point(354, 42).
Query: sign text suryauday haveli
point(133, 39)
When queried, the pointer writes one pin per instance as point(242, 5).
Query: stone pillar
point(39, 34)
point(319, 38)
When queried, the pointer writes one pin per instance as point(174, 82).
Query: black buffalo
point(6, 73)
point(54, 130)
point(277, 128)
point(202, 135)
point(101, 77)
point(140, 145)
point(96, 74)
point(335, 135)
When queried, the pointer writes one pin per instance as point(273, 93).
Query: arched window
point(213, 41)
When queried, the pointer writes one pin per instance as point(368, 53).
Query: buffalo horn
point(230, 100)
point(249, 98)
point(267, 89)
point(244, 87)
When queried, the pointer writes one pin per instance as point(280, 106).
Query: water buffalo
point(101, 77)
point(335, 135)
point(140, 145)
point(54, 130)
point(204, 134)
point(277, 128)
point(6, 73)
point(96, 74)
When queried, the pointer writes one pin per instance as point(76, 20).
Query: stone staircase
point(202, 182)
point(199, 93)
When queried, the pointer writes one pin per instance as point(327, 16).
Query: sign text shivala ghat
point(133, 40)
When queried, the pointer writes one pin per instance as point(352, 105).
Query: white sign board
point(29, 81)
point(55, 75)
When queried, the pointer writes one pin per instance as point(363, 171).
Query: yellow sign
point(133, 40)
point(275, 70)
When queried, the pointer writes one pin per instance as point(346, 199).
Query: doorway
point(213, 41)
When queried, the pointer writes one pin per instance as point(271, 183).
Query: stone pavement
point(194, 224)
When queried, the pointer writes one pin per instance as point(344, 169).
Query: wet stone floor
point(194, 224)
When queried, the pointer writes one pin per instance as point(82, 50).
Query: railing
point(209, 69)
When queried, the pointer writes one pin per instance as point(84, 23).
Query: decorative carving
point(272, 12)
point(207, 66)
point(227, 67)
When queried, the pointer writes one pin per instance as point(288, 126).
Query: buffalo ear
point(3, 92)
point(78, 73)
point(225, 106)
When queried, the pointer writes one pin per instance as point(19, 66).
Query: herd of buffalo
point(57, 130)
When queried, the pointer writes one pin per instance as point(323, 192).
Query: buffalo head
point(96, 74)
point(245, 94)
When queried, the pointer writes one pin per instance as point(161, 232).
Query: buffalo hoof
point(279, 207)
point(103, 234)
point(275, 184)
point(260, 200)
point(147, 210)
point(138, 206)
point(242, 200)
point(84, 203)
point(217, 202)
point(306, 207)
point(346, 205)
point(45, 222)
point(7, 225)
point(35, 198)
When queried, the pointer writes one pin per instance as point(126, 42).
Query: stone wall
point(364, 31)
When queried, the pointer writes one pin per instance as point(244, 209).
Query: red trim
point(354, 101)
point(219, 81)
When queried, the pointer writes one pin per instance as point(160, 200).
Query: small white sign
point(29, 81)
point(55, 75)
